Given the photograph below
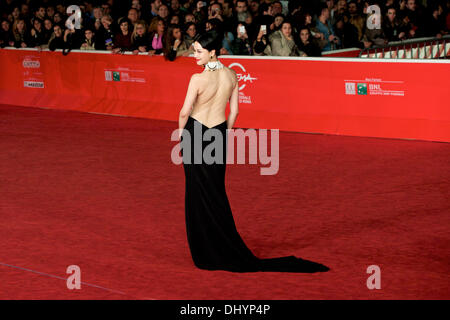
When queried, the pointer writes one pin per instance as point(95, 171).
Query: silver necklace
point(213, 65)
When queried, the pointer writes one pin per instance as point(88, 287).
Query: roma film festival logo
point(215, 147)
point(244, 79)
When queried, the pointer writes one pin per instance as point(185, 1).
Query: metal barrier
point(422, 48)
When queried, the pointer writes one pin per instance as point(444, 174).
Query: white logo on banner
point(243, 77)
point(350, 88)
point(374, 19)
point(74, 21)
point(31, 64)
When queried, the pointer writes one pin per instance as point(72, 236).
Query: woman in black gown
point(213, 239)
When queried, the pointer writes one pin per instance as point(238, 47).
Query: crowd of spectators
point(249, 27)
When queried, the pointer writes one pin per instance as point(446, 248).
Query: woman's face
point(176, 33)
point(124, 27)
point(191, 31)
point(160, 27)
point(58, 31)
point(140, 29)
point(175, 20)
point(304, 35)
point(278, 20)
point(5, 26)
point(37, 25)
point(286, 30)
point(15, 13)
point(189, 18)
point(20, 25)
point(391, 14)
point(48, 24)
point(106, 23)
point(50, 11)
point(57, 18)
point(202, 56)
point(136, 4)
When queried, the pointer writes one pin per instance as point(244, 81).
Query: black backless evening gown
point(213, 239)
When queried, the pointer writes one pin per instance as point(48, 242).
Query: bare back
point(215, 89)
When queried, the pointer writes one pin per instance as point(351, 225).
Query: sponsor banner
point(31, 71)
point(333, 96)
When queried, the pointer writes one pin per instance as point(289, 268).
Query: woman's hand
point(176, 44)
point(116, 50)
point(241, 35)
point(142, 49)
point(151, 52)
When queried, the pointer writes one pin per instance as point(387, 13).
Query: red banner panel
point(359, 97)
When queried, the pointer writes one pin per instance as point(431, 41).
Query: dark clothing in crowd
point(141, 41)
point(311, 48)
point(20, 38)
point(241, 47)
point(57, 43)
point(123, 41)
point(5, 38)
point(104, 38)
point(392, 30)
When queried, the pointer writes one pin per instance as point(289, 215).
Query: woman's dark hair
point(169, 39)
point(210, 40)
point(125, 19)
point(188, 25)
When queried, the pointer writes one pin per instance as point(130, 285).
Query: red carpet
point(101, 192)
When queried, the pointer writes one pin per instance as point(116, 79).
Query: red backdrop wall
point(378, 98)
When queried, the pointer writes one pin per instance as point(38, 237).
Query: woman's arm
point(234, 106)
point(189, 101)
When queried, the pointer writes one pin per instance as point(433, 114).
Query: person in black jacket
point(435, 25)
point(22, 38)
point(139, 39)
point(38, 33)
point(57, 39)
point(242, 45)
point(105, 35)
point(307, 43)
point(392, 26)
point(6, 37)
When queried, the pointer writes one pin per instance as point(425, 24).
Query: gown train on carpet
point(213, 239)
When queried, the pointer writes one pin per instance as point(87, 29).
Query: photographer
point(241, 45)
point(280, 43)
